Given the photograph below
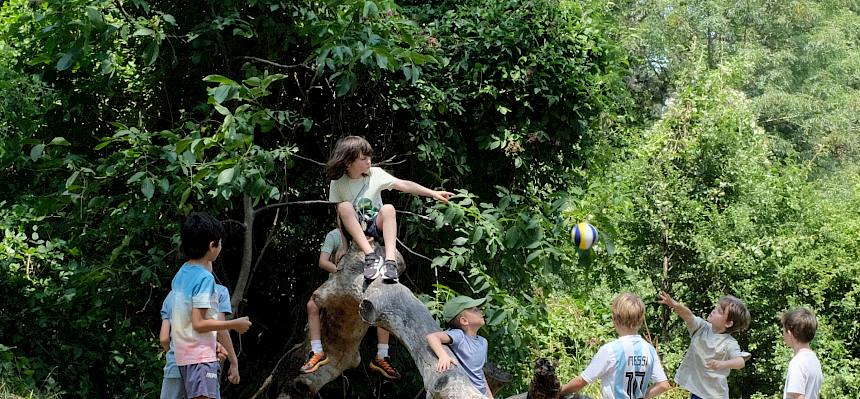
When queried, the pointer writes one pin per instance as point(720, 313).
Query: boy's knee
point(387, 210)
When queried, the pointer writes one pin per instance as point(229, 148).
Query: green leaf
point(136, 177)
point(59, 141)
point(163, 185)
point(143, 32)
point(169, 18)
point(219, 79)
point(370, 9)
point(66, 61)
point(220, 93)
point(439, 261)
point(460, 241)
point(36, 152)
point(147, 188)
point(226, 176)
point(95, 16)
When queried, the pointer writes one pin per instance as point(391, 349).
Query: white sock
point(316, 345)
point(382, 350)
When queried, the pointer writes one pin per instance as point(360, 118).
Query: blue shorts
point(693, 396)
point(172, 388)
point(201, 379)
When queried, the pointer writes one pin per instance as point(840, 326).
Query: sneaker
point(390, 267)
point(384, 368)
point(316, 361)
point(372, 262)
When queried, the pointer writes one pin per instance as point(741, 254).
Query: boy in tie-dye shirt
point(193, 319)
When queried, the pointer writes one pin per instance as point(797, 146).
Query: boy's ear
point(729, 323)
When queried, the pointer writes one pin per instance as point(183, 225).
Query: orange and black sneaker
point(316, 361)
point(384, 368)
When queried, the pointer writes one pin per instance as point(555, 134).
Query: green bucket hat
point(458, 304)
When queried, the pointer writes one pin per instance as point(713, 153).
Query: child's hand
point(242, 324)
point(233, 374)
point(445, 363)
point(442, 196)
point(667, 300)
point(715, 365)
point(220, 352)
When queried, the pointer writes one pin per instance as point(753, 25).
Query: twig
point(269, 238)
point(285, 204)
point(147, 300)
point(425, 217)
point(309, 160)
point(263, 387)
point(413, 252)
point(234, 221)
point(272, 63)
point(390, 161)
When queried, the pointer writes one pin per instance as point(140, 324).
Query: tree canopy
point(713, 144)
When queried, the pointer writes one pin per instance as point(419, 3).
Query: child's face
point(719, 319)
point(214, 250)
point(474, 317)
point(360, 166)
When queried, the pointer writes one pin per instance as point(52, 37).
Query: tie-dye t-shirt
point(193, 288)
point(223, 299)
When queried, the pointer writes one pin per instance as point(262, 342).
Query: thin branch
point(413, 252)
point(272, 63)
point(234, 221)
point(308, 159)
point(425, 217)
point(285, 204)
point(269, 237)
point(390, 161)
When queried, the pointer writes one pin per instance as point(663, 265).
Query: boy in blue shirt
point(193, 318)
point(469, 348)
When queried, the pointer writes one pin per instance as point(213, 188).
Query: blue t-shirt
point(471, 353)
point(223, 306)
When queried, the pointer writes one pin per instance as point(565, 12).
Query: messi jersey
point(625, 367)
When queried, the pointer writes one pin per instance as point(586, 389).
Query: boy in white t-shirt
point(713, 352)
point(628, 365)
point(804, 377)
point(357, 186)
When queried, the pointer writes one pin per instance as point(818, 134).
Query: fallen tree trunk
point(348, 304)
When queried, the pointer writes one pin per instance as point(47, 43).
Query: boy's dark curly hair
point(198, 230)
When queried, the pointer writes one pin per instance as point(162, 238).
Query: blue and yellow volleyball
point(584, 236)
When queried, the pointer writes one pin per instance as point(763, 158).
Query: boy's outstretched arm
point(436, 340)
point(735, 364)
point(201, 324)
point(683, 312)
point(164, 335)
point(412, 187)
point(575, 385)
point(657, 389)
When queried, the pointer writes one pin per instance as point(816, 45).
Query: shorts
point(370, 228)
point(201, 379)
point(172, 388)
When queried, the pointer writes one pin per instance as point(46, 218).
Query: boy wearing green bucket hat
point(470, 349)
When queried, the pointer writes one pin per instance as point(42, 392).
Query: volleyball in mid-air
point(584, 236)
